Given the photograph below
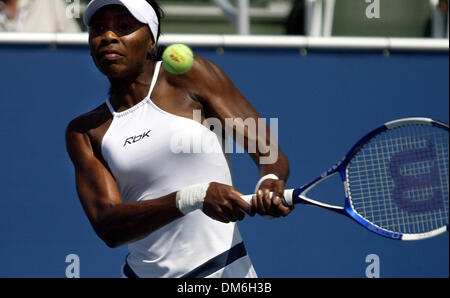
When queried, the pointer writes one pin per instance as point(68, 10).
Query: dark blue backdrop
point(324, 102)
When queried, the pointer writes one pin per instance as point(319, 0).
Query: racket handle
point(287, 200)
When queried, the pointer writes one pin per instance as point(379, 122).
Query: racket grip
point(287, 200)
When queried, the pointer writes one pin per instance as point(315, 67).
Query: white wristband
point(268, 176)
point(191, 198)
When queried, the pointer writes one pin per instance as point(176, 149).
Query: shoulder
point(204, 65)
point(206, 69)
point(83, 133)
point(204, 76)
point(86, 121)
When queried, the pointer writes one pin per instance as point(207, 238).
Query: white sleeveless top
point(150, 153)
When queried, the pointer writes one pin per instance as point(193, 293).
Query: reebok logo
point(135, 139)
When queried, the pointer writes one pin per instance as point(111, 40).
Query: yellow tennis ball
point(178, 58)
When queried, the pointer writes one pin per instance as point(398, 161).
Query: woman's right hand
point(224, 203)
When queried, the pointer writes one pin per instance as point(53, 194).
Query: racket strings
point(399, 179)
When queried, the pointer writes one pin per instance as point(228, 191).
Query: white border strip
point(252, 41)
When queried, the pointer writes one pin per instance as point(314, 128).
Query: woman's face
point(119, 43)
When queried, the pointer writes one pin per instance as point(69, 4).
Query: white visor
point(140, 9)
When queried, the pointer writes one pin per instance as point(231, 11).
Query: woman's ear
point(151, 53)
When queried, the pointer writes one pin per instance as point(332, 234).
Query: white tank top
point(149, 152)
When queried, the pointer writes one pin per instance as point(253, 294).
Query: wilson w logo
point(132, 140)
point(422, 178)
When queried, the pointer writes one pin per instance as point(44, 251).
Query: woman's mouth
point(110, 55)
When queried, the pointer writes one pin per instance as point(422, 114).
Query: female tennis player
point(175, 210)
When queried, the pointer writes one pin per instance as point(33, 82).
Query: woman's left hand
point(265, 204)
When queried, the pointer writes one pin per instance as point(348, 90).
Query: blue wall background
point(325, 101)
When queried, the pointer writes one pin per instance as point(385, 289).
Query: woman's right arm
point(118, 223)
point(115, 222)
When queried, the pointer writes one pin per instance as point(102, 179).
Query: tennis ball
point(178, 58)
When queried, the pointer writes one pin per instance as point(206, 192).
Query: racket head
point(396, 179)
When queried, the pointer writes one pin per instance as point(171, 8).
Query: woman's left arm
point(222, 100)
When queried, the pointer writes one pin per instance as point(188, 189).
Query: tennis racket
point(395, 180)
